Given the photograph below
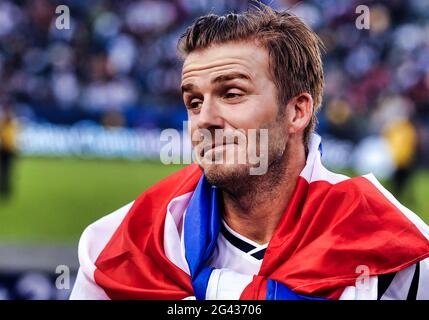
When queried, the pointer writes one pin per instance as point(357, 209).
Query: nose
point(210, 116)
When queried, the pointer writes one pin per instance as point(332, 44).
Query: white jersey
point(243, 256)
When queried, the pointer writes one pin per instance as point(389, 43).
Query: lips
point(214, 145)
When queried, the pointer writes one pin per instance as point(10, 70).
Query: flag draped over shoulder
point(159, 247)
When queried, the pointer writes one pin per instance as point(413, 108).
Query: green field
point(55, 199)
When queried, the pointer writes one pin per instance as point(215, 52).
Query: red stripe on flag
point(133, 264)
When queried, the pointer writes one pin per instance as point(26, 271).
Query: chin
point(225, 175)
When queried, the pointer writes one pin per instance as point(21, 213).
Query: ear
point(300, 111)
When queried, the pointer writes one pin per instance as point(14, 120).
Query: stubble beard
point(236, 180)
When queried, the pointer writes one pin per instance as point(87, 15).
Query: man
point(216, 231)
point(8, 133)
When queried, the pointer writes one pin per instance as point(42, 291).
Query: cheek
point(191, 130)
point(199, 136)
point(254, 113)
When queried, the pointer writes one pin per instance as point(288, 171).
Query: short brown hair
point(294, 49)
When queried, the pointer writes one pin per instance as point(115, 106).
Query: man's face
point(228, 87)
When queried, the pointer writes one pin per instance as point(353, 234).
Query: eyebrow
point(187, 87)
point(230, 76)
point(219, 79)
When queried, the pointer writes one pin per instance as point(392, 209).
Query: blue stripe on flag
point(202, 225)
point(278, 291)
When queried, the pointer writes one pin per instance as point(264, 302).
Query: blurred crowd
point(117, 64)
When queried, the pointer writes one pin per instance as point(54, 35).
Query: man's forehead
point(246, 57)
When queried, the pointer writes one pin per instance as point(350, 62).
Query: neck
point(256, 211)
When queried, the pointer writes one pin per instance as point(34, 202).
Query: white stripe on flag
point(93, 240)
point(174, 246)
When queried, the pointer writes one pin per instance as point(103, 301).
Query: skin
point(228, 86)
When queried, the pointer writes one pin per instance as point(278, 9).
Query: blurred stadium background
point(81, 110)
